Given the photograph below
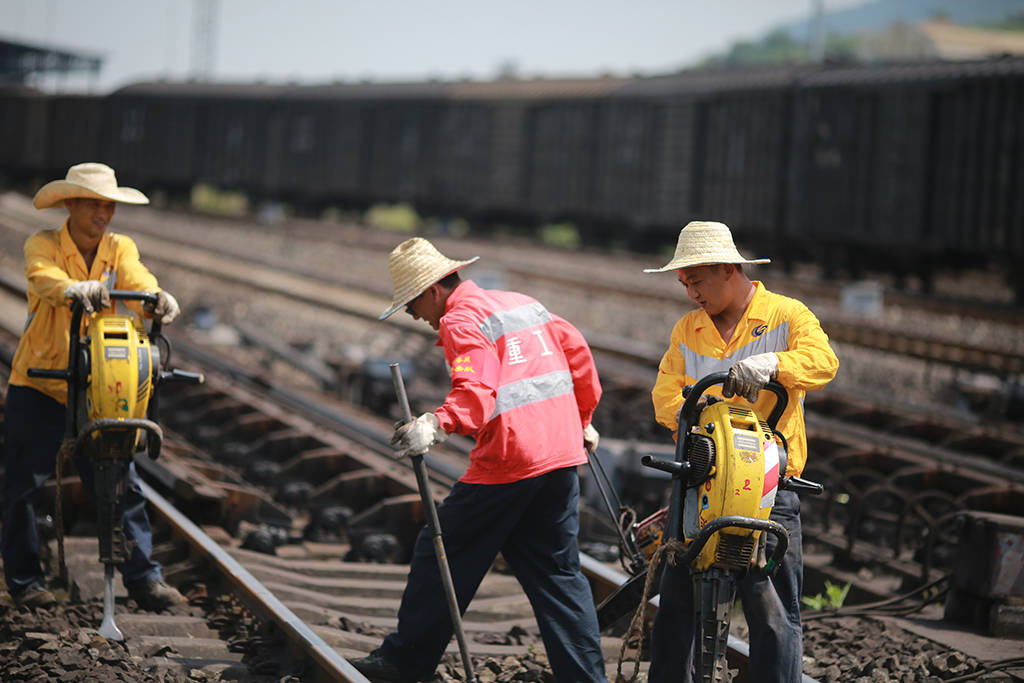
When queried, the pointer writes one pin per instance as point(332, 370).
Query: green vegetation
point(561, 235)
point(212, 200)
point(1013, 22)
point(778, 47)
point(833, 598)
point(395, 217)
point(447, 227)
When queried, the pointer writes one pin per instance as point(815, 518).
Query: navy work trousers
point(770, 605)
point(534, 524)
point(35, 428)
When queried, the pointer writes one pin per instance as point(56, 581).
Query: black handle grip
point(676, 469)
point(693, 392)
point(133, 295)
point(176, 375)
point(49, 374)
point(801, 485)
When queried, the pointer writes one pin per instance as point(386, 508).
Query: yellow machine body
point(742, 479)
point(121, 368)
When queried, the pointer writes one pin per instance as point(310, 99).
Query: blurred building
point(938, 39)
point(21, 63)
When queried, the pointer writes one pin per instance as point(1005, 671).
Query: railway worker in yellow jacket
point(81, 261)
point(756, 336)
point(524, 385)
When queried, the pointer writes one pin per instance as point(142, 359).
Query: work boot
point(36, 595)
point(378, 669)
point(155, 595)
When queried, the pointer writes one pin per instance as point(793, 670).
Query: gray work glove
point(166, 308)
point(415, 437)
point(92, 294)
point(750, 375)
point(590, 438)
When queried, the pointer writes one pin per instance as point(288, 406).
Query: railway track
point(325, 607)
point(193, 249)
point(940, 438)
point(205, 417)
point(925, 439)
point(344, 607)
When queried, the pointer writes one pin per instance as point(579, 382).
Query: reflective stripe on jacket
point(772, 323)
point(52, 262)
point(523, 384)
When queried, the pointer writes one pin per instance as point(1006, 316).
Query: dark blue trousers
point(770, 605)
point(534, 524)
point(35, 428)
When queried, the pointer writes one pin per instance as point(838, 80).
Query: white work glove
point(590, 438)
point(166, 308)
point(750, 375)
point(415, 437)
point(90, 293)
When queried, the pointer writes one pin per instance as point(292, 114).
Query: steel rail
point(329, 665)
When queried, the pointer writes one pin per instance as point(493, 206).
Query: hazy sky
point(322, 40)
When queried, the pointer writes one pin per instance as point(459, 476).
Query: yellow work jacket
point(772, 323)
point(52, 262)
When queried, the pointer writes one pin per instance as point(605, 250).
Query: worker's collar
point(66, 243)
point(68, 246)
point(103, 249)
point(465, 289)
point(757, 309)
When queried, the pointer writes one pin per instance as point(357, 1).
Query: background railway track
point(185, 270)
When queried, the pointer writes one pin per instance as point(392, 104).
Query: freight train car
point(910, 168)
point(24, 130)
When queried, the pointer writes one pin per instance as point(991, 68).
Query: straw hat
point(415, 265)
point(702, 243)
point(93, 180)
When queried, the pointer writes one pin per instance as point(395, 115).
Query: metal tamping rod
point(420, 468)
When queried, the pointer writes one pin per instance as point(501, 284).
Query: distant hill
point(880, 14)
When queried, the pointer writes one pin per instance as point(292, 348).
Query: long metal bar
point(435, 529)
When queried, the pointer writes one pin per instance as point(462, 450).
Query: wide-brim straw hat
point(703, 243)
point(92, 180)
point(415, 265)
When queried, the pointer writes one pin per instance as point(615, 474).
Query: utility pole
point(205, 14)
point(817, 34)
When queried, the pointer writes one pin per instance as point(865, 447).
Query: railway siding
point(303, 446)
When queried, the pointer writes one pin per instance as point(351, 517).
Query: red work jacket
point(523, 384)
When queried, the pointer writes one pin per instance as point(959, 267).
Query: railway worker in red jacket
point(81, 261)
point(755, 335)
point(523, 383)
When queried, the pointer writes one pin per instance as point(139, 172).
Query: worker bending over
point(524, 385)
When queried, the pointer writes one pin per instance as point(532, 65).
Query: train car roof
point(911, 71)
point(720, 78)
point(212, 90)
point(537, 88)
point(682, 83)
point(540, 88)
point(199, 89)
point(20, 90)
